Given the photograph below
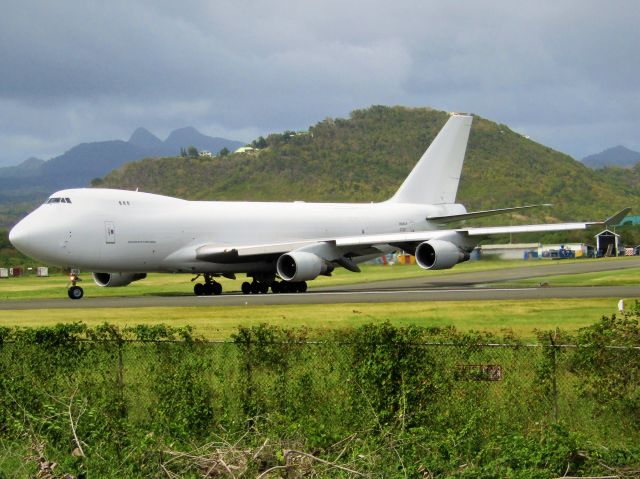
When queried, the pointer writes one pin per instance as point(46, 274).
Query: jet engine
point(439, 254)
point(301, 266)
point(111, 280)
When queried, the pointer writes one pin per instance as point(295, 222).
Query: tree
point(224, 151)
point(260, 143)
point(192, 152)
point(97, 182)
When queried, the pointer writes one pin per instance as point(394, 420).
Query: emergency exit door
point(110, 232)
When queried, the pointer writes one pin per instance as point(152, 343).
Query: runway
point(472, 286)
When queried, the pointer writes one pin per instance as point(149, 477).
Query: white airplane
point(123, 235)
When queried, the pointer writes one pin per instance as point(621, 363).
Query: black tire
point(208, 289)
point(264, 288)
point(246, 288)
point(275, 287)
point(255, 287)
point(302, 287)
point(217, 288)
point(75, 292)
point(198, 289)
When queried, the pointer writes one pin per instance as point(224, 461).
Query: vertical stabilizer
point(435, 178)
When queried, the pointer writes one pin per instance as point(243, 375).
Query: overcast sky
point(566, 73)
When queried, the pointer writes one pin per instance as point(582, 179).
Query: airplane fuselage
point(126, 231)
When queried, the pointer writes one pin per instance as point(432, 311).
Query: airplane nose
point(17, 235)
point(29, 237)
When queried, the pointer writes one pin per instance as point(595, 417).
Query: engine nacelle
point(439, 254)
point(112, 280)
point(301, 266)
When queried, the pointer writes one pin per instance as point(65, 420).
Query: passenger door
point(110, 232)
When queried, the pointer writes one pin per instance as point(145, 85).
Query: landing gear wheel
point(263, 288)
point(75, 292)
point(208, 288)
point(255, 287)
point(302, 287)
point(246, 288)
point(275, 287)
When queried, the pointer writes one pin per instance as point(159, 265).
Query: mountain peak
point(183, 137)
point(189, 136)
point(615, 156)
point(144, 138)
point(185, 130)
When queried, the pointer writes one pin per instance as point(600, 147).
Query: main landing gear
point(209, 287)
point(75, 292)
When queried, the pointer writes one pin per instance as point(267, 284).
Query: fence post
point(554, 375)
point(120, 379)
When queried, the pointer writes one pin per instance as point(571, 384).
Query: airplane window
point(57, 200)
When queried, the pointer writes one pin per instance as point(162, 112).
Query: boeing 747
point(121, 236)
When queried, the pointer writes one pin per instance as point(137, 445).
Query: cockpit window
point(58, 200)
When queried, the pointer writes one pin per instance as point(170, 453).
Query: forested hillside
point(366, 157)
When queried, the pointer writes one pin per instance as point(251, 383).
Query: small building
point(15, 272)
point(609, 243)
point(566, 250)
point(206, 153)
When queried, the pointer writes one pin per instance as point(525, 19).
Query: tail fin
point(435, 178)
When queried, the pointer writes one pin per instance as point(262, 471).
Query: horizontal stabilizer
point(480, 214)
point(617, 218)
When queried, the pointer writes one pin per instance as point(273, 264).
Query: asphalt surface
point(473, 286)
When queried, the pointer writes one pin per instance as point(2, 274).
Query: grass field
point(520, 318)
point(626, 277)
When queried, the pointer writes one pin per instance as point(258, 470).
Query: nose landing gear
point(75, 292)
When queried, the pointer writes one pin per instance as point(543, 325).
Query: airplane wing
point(342, 250)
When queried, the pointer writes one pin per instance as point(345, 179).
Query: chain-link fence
point(186, 389)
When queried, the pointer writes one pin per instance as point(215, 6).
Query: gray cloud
point(565, 73)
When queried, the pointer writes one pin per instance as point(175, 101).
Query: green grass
point(625, 277)
point(520, 318)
